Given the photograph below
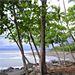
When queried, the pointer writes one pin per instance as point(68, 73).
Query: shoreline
point(49, 55)
point(67, 55)
point(52, 53)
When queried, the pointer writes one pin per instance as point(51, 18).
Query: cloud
point(5, 44)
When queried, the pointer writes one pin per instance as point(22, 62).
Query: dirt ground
point(68, 69)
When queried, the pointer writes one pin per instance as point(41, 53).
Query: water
point(13, 58)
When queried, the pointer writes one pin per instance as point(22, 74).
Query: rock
point(54, 61)
point(22, 68)
point(3, 73)
point(30, 70)
point(5, 70)
point(40, 74)
point(66, 61)
point(23, 73)
point(10, 69)
point(36, 69)
point(33, 73)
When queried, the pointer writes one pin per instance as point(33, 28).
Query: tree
point(70, 51)
point(19, 23)
point(71, 0)
point(12, 25)
point(54, 28)
point(51, 38)
point(42, 53)
point(67, 21)
point(19, 39)
point(32, 23)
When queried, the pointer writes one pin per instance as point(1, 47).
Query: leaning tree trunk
point(33, 54)
point(32, 51)
point(42, 52)
point(27, 59)
point(67, 22)
point(35, 46)
point(57, 54)
point(70, 51)
point(20, 42)
point(63, 53)
point(16, 42)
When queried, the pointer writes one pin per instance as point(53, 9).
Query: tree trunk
point(16, 42)
point(32, 51)
point(20, 42)
point(57, 54)
point(70, 51)
point(27, 59)
point(64, 7)
point(63, 53)
point(67, 22)
point(35, 46)
point(42, 53)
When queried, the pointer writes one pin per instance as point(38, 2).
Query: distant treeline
point(66, 48)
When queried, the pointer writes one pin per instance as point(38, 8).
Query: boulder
point(23, 73)
point(33, 73)
point(30, 70)
point(10, 69)
point(54, 61)
point(3, 73)
point(22, 68)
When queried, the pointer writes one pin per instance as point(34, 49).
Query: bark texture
point(32, 50)
point(35, 46)
point(42, 53)
point(70, 51)
point(63, 53)
point(57, 54)
point(20, 42)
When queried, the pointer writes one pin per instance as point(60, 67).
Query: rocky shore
point(20, 71)
point(52, 69)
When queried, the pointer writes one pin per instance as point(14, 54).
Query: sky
point(5, 44)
